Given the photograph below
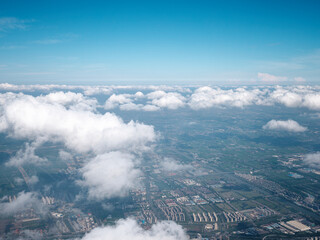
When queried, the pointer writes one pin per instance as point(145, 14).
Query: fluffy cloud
point(171, 100)
point(129, 229)
point(19, 181)
point(23, 202)
point(150, 108)
point(26, 156)
point(169, 164)
point(298, 96)
point(312, 101)
point(203, 97)
point(131, 107)
point(116, 100)
point(109, 175)
point(42, 87)
point(206, 97)
point(65, 155)
point(301, 96)
point(96, 90)
point(312, 159)
point(58, 118)
point(157, 100)
point(287, 98)
point(31, 118)
point(70, 100)
point(33, 179)
point(268, 78)
point(289, 125)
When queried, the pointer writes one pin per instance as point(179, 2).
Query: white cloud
point(131, 107)
point(31, 118)
point(129, 229)
point(96, 90)
point(150, 108)
point(89, 90)
point(171, 100)
point(268, 78)
point(139, 94)
point(299, 79)
point(26, 156)
point(48, 41)
point(288, 125)
point(65, 155)
point(301, 96)
point(115, 100)
point(158, 99)
point(287, 98)
point(206, 97)
point(312, 159)
point(70, 100)
point(33, 179)
point(312, 101)
point(19, 181)
point(61, 118)
point(203, 97)
point(109, 175)
point(169, 164)
point(41, 87)
point(23, 202)
point(10, 23)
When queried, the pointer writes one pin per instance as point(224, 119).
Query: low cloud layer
point(129, 229)
point(26, 156)
point(207, 97)
point(171, 165)
point(171, 100)
point(288, 125)
point(34, 119)
point(155, 98)
point(313, 160)
point(110, 175)
point(24, 201)
point(71, 119)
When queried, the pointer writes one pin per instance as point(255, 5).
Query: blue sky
point(160, 42)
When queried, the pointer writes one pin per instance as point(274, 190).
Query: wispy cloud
point(11, 47)
point(48, 41)
point(57, 39)
point(302, 62)
point(266, 77)
point(11, 23)
point(311, 58)
point(36, 73)
point(300, 79)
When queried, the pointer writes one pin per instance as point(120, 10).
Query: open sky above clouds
point(110, 42)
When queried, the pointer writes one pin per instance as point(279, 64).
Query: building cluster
point(292, 227)
point(205, 217)
point(234, 217)
point(258, 212)
point(47, 200)
point(148, 214)
point(172, 212)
